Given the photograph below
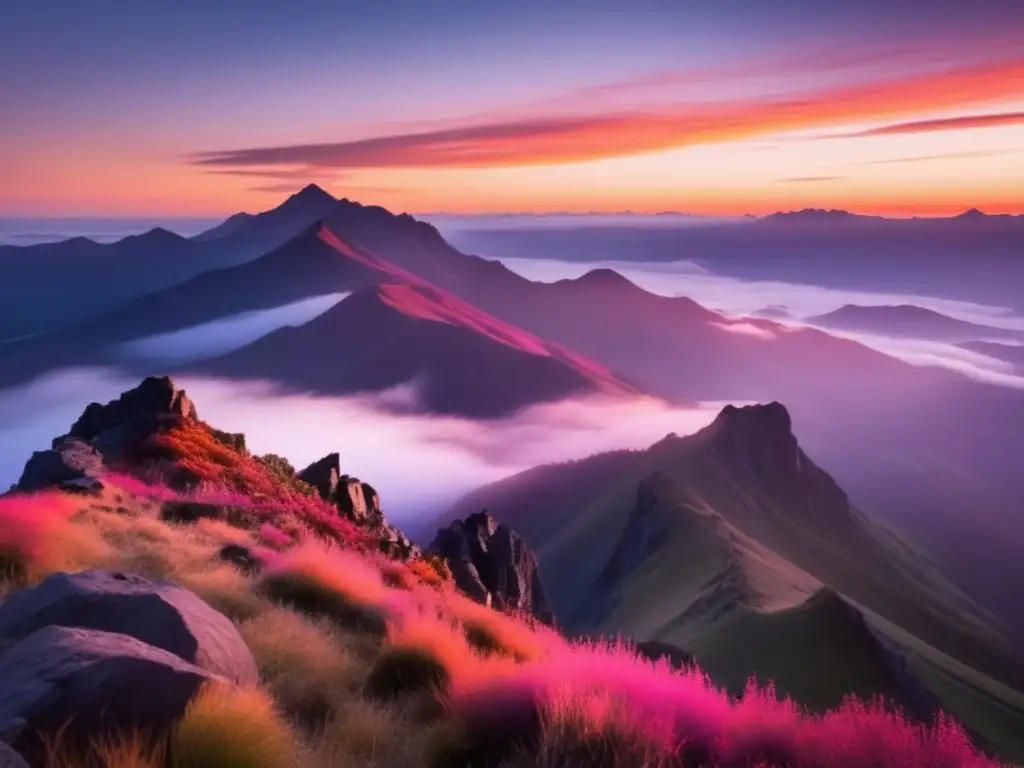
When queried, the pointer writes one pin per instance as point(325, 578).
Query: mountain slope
point(908, 320)
point(463, 360)
point(732, 544)
point(56, 285)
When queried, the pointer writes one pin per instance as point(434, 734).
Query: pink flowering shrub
point(603, 701)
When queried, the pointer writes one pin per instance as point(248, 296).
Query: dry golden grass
point(304, 662)
point(491, 632)
point(326, 581)
point(227, 727)
point(38, 538)
point(369, 735)
point(132, 751)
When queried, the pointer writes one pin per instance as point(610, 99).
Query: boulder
point(90, 683)
point(159, 613)
point(69, 461)
point(120, 425)
point(493, 565)
point(323, 475)
point(10, 759)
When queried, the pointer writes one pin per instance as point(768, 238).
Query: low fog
point(222, 336)
point(419, 463)
point(739, 298)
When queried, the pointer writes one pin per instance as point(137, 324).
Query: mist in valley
point(419, 463)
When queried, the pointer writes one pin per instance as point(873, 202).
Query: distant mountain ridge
point(911, 321)
point(58, 285)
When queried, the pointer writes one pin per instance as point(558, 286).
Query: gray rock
point(90, 683)
point(159, 613)
point(350, 499)
point(9, 758)
point(69, 461)
point(323, 475)
point(493, 565)
point(122, 425)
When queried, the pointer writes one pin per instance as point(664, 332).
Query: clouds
point(222, 336)
point(741, 298)
point(419, 463)
point(569, 138)
point(958, 123)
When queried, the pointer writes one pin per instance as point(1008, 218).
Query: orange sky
point(936, 140)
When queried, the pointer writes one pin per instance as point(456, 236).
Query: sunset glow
point(824, 113)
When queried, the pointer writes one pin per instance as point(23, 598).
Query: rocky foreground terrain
point(171, 599)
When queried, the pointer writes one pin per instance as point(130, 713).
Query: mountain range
point(752, 537)
point(910, 321)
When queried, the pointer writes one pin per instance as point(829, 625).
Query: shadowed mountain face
point(732, 544)
point(462, 360)
point(55, 285)
point(910, 321)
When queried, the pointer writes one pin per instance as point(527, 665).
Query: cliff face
point(493, 565)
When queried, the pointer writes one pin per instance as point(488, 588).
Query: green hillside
point(733, 545)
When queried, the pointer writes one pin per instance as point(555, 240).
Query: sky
point(207, 107)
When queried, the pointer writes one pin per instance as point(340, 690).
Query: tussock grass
point(375, 663)
point(364, 733)
point(305, 663)
point(332, 583)
point(124, 750)
point(399, 671)
point(38, 538)
point(491, 632)
point(226, 727)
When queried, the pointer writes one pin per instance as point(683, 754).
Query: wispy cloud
point(939, 156)
point(533, 140)
point(958, 123)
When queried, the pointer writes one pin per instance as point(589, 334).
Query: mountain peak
point(602, 276)
point(770, 417)
point(311, 193)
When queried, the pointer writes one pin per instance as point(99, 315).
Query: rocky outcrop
point(86, 683)
point(121, 425)
point(159, 613)
point(155, 396)
point(358, 502)
point(323, 475)
point(492, 564)
point(70, 464)
point(106, 434)
point(757, 443)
